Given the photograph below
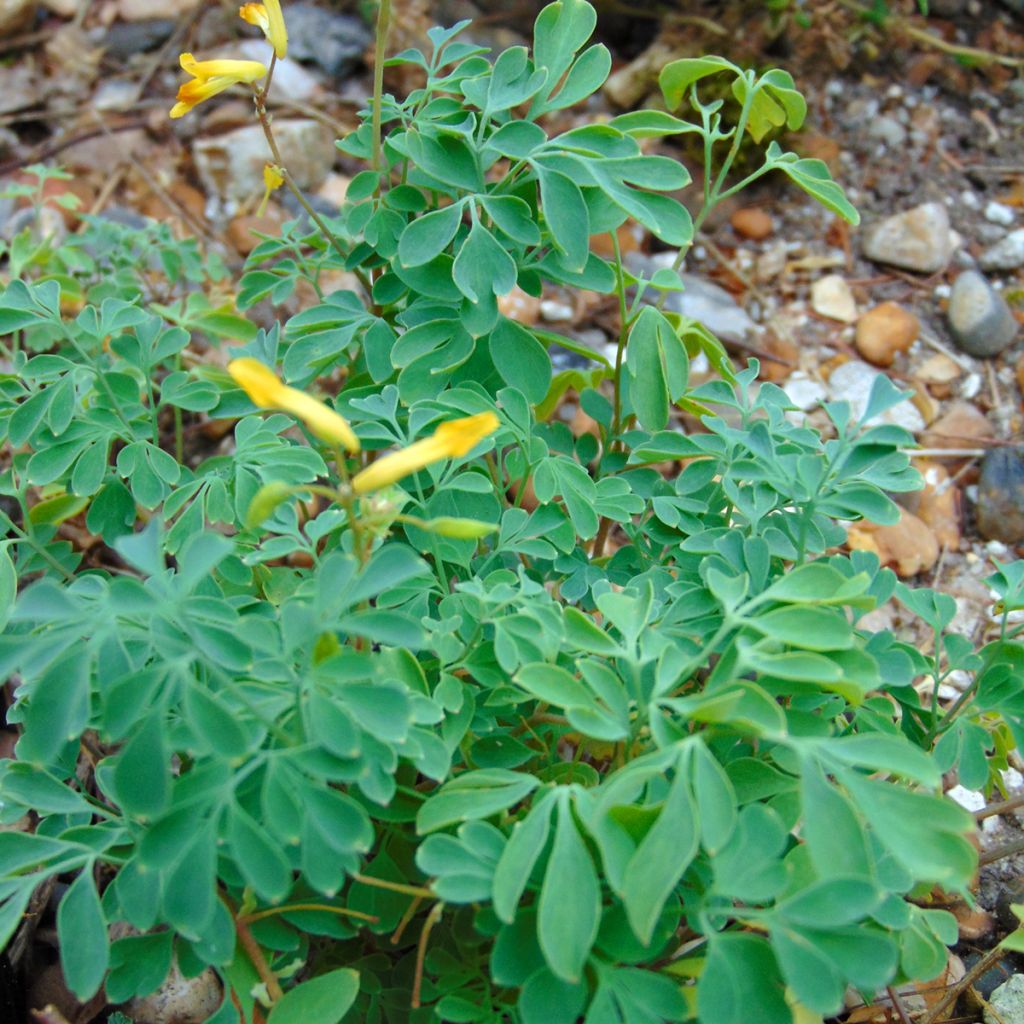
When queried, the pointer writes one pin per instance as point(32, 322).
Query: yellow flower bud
point(273, 179)
point(451, 440)
point(460, 529)
point(267, 391)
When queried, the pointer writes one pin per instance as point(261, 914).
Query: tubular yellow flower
point(451, 440)
point(273, 179)
point(268, 17)
point(266, 391)
point(211, 77)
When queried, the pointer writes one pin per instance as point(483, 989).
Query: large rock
point(231, 165)
point(335, 42)
point(918, 239)
point(1001, 496)
point(16, 16)
point(1006, 1004)
point(979, 318)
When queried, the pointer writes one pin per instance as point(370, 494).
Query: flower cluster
point(451, 440)
point(210, 77)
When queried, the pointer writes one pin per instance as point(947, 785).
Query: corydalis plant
point(397, 724)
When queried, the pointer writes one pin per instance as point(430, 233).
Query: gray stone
point(1001, 495)
point(1007, 254)
point(712, 306)
point(334, 42)
point(852, 382)
point(888, 131)
point(700, 300)
point(979, 318)
point(126, 38)
point(291, 80)
point(918, 239)
point(1006, 1005)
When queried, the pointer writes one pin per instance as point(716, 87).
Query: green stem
point(383, 883)
point(383, 27)
point(30, 539)
point(623, 335)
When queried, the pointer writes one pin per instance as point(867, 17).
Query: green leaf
point(814, 178)
point(676, 78)
point(82, 931)
point(658, 368)
point(833, 831)
point(517, 139)
point(566, 215)
point(739, 973)
point(473, 795)
point(11, 910)
point(524, 847)
point(138, 966)
point(429, 235)
point(520, 359)
point(807, 627)
point(513, 216)
point(569, 910)
point(259, 859)
point(483, 267)
point(716, 800)
point(831, 902)
point(325, 999)
point(662, 857)
point(553, 684)
point(142, 778)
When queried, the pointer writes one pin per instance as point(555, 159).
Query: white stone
point(144, 10)
point(803, 391)
point(555, 312)
point(999, 213)
point(1006, 1004)
point(852, 382)
point(831, 297)
point(291, 80)
point(1007, 254)
point(179, 1000)
point(969, 799)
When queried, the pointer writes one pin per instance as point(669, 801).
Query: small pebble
point(1006, 254)
point(555, 312)
point(979, 318)
point(831, 297)
point(939, 369)
point(1001, 496)
point(998, 213)
point(884, 331)
point(753, 223)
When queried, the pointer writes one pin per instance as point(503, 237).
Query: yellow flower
point(272, 179)
point(211, 77)
point(450, 440)
point(268, 17)
point(266, 391)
